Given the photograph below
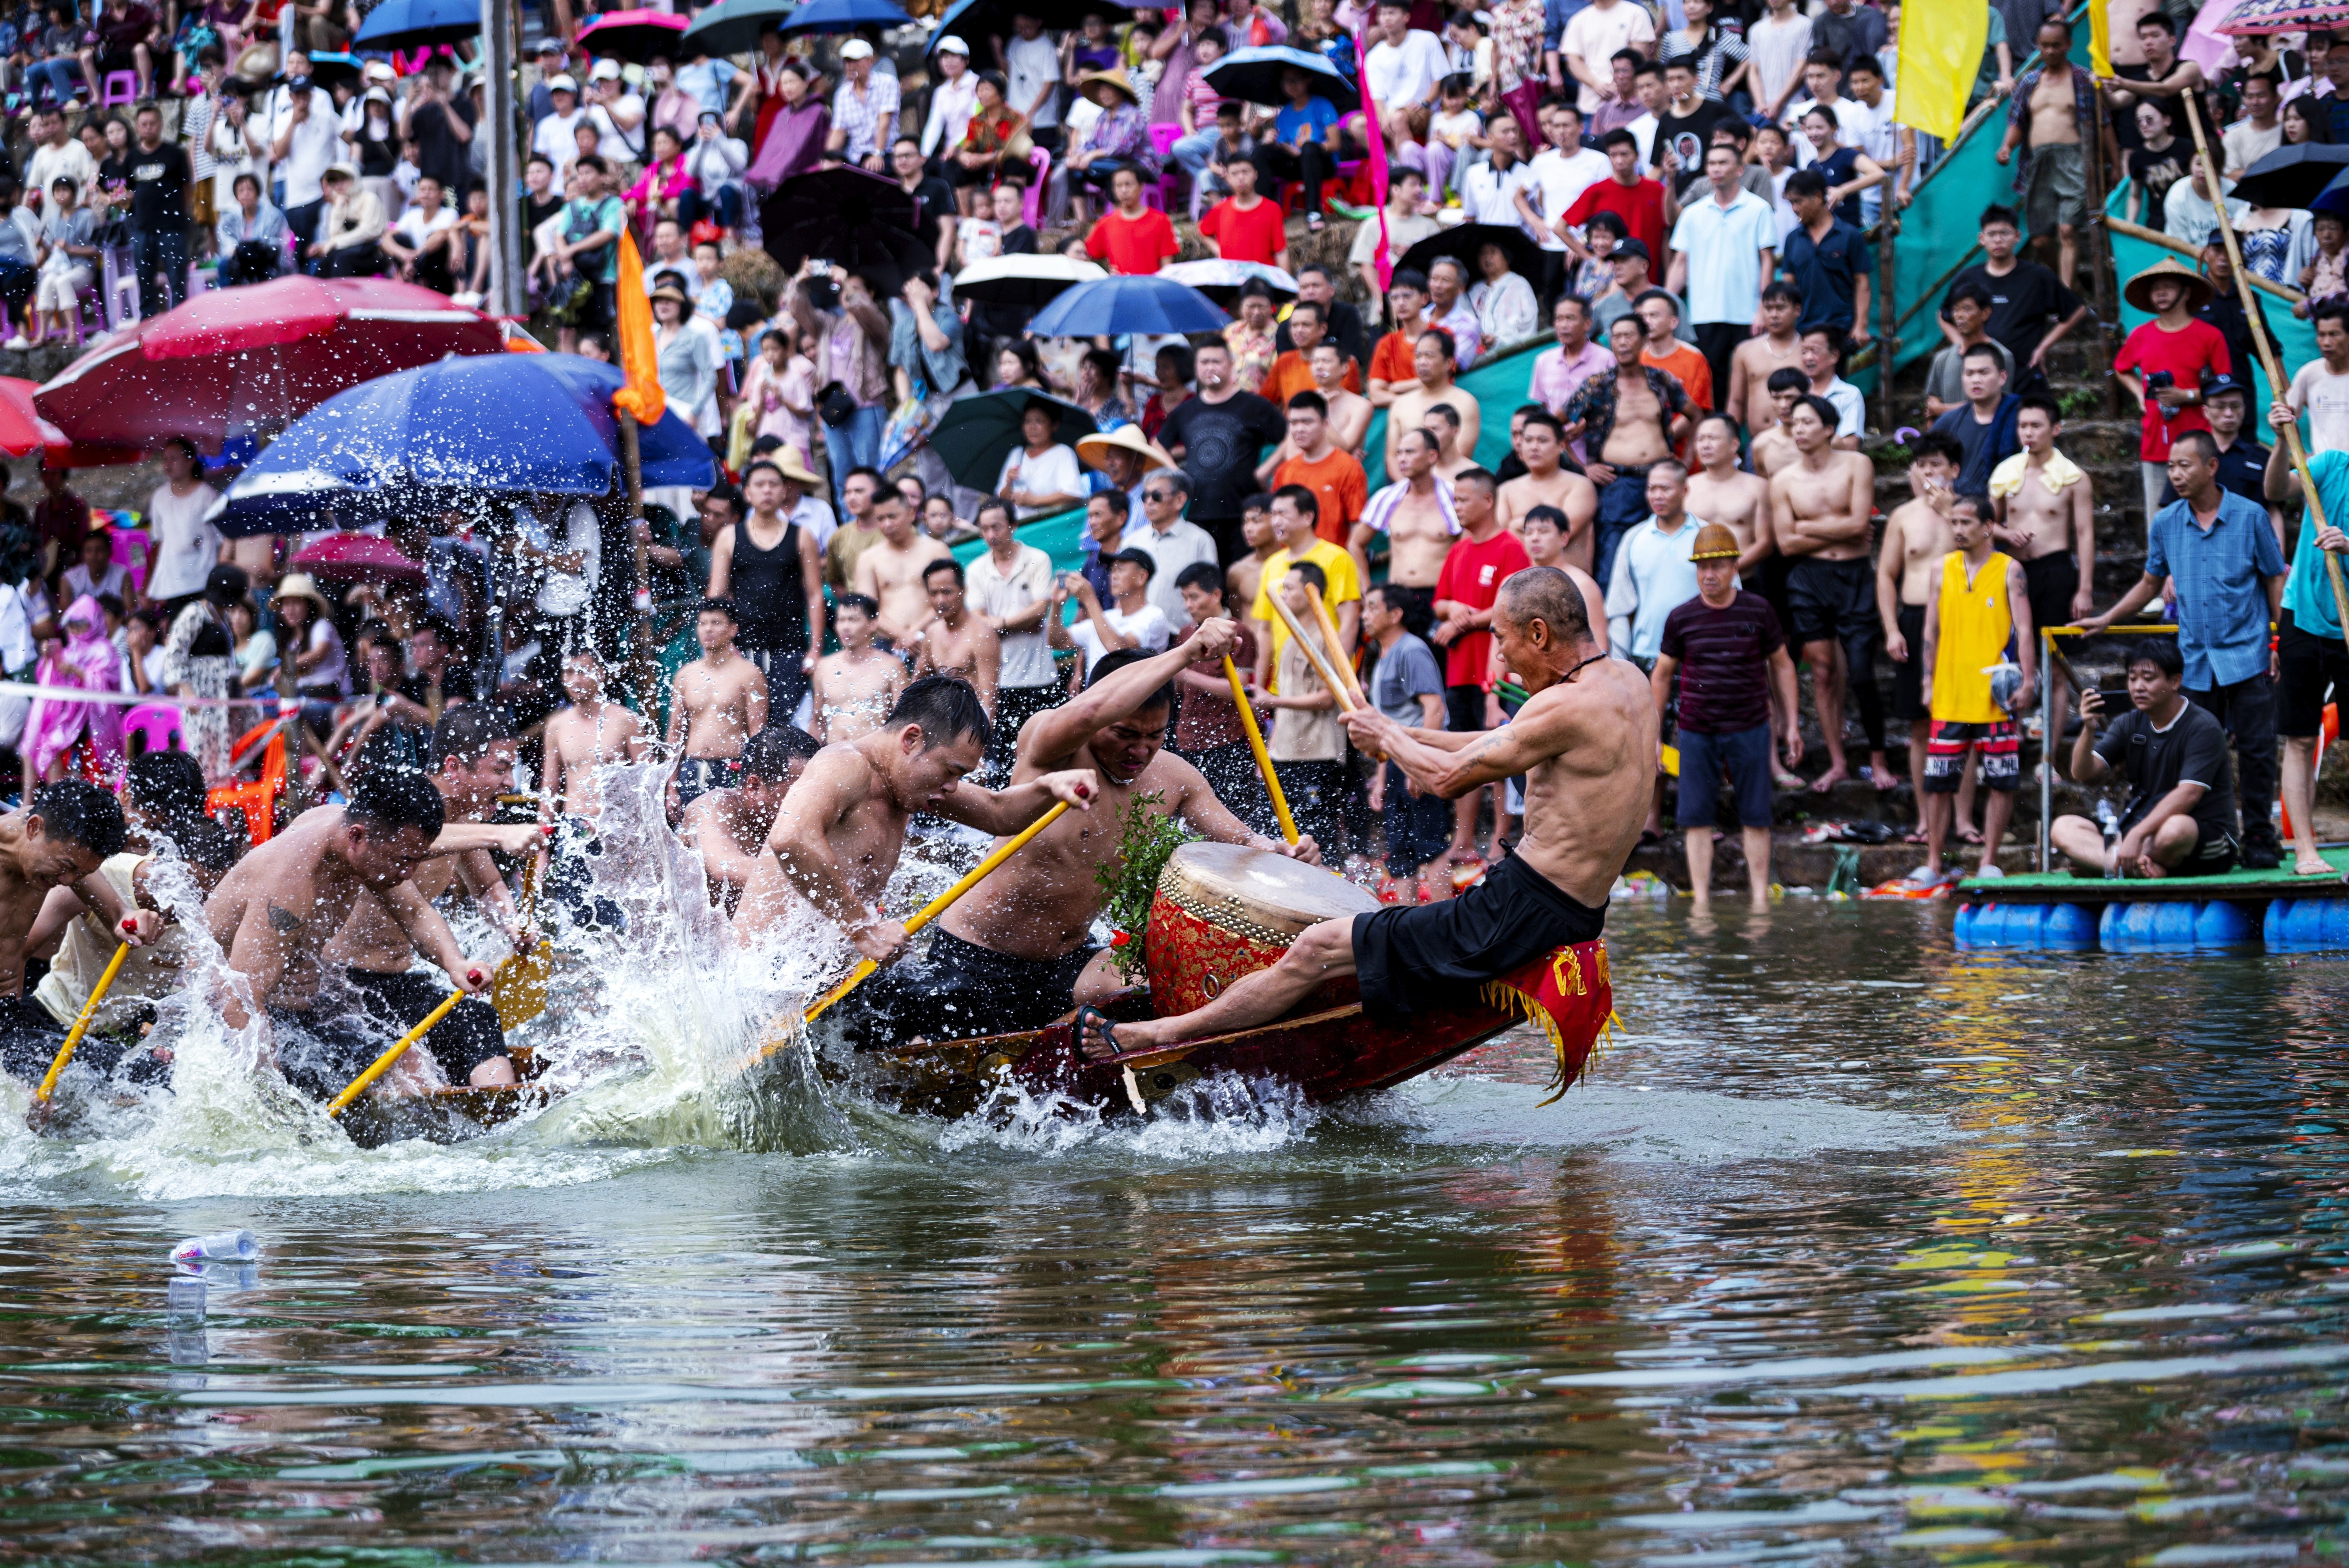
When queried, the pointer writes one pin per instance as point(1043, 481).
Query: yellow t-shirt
point(1341, 587)
point(1975, 622)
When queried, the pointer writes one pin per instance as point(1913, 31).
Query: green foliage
point(1131, 876)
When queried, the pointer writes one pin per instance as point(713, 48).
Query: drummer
point(1018, 953)
point(1587, 742)
point(837, 834)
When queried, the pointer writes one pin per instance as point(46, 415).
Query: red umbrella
point(24, 432)
point(359, 558)
point(256, 358)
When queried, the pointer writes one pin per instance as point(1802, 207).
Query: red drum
point(1223, 911)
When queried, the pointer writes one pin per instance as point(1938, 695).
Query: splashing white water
point(1212, 1117)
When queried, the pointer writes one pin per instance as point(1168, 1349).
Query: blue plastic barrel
point(2068, 928)
point(2336, 921)
point(2303, 925)
point(2108, 928)
point(1990, 926)
point(1962, 932)
point(2272, 923)
point(2138, 928)
point(2218, 924)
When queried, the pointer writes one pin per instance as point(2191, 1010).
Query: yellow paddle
point(383, 1063)
point(81, 1024)
point(518, 992)
point(1263, 757)
point(938, 906)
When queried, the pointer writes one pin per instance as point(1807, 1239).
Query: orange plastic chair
point(257, 798)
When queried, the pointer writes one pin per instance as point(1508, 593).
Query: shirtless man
point(2046, 517)
point(716, 704)
point(1772, 448)
point(2050, 129)
point(1541, 446)
point(890, 572)
point(1754, 360)
point(955, 641)
point(1907, 575)
point(1819, 512)
point(61, 840)
point(1350, 412)
point(1720, 492)
point(728, 828)
point(1431, 360)
point(1018, 953)
point(837, 835)
point(1242, 576)
point(1587, 745)
point(583, 737)
point(275, 913)
point(1443, 424)
point(474, 750)
point(855, 687)
point(1628, 416)
point(1415, 514)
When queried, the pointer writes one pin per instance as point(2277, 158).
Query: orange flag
point(642, 395)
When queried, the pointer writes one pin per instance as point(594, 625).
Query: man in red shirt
point(1133, 239)
point(1392, 371)
point(1243, 226)
point(2177, 342)
point(1638, 202)
point(1480, 560)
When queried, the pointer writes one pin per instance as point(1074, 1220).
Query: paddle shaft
point(1256, 748)
point(940, 904)
point(81, 1024)
point(2276, 383)
point(1340, 691)
point(383, 1063)
point(1337, 645)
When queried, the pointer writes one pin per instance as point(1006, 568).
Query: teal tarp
point(2295, 339)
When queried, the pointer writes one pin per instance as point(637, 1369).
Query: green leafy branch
point(1130, 877)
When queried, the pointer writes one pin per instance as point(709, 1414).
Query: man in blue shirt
point(2229, 570)
point(1827, 258)
point(2309, 652)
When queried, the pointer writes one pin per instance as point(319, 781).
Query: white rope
point(134, 699)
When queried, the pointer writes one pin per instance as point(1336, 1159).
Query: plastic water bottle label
point(238, 1245)
point(183, 1301)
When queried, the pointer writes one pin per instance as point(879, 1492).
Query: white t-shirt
point(1029, 64)
point(1597, 31)
point(1054, 473)
point(991, 590)
point(562, 593)
point(1855, 122)
point(1778, 53)
point(1407, 75)
point(1563, 178)
point(1147, 627)
point(615, 137)
point(816, 516)
point(414, 228)
point(316, 142)
point(329, 672)
point(2246, 144)
point(2325, 398)
point(1489, 196)
point(187, 546)
point(556, 136)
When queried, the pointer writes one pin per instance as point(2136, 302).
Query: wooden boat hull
point(448, 1114)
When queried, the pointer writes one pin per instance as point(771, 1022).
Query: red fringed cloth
point(1569, 995)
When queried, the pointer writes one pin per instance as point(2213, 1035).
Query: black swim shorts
point(1416, 957)
point(957, 989)
point(461, 1042)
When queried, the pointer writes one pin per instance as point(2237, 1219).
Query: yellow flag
point(2100, 39)
point(638, 360)
point(1942, 44)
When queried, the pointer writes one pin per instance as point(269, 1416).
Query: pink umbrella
point(359, 558)
point(24, 432)
point(256, 358)
point(2257, 16)
point(635, 36)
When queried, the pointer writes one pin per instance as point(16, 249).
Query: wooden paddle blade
point(519, 993)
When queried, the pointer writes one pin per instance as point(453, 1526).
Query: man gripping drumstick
point(1587, 745)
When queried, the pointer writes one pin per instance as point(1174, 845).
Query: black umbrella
point(861, 222)
point(975, 434)
point(732, 27)
point(2293, 176)
point(1463, 243)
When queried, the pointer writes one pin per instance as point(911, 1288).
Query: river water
point(1851, 1247)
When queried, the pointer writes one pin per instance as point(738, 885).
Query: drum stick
point(940, 904)
point(1263, 757)
point(1337, 647)
point(81, 1024)
point(383, 1063)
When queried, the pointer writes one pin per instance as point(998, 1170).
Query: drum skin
point(1223, 911)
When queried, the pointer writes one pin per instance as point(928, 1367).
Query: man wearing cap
point(1727, 651)
point(351, 234)
point(951, 99)
point(556, 135)
point(616, 113)
point(863, 108)
point(299, 135)
point(546, 56)
point(2164, 363)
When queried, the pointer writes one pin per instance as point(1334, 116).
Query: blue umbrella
point(1122, 304)
point(445, 434)
point(1253, 76)
point(971, 20)
point(412, 24)
point(731, 28)
point(843, 16)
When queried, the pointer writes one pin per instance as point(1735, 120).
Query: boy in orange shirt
point(1392, 371)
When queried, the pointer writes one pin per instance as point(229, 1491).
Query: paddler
point(275, 913)
point(729, 826)
point(1587, 743)
point(1019, 952)
point(61, 840)
point(472, 757)
point(838, 834)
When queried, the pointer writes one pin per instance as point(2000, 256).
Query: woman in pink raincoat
point(84, 739)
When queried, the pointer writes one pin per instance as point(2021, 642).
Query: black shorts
point(697, 776)
point(1413, 956)
point(956, 989)
point(1744, 756)
point(1909, 703)
point(461, 1042)
point(2309, 663)
point(2049, 583)
point(320, 1052)
point(30, 1036)
point(1463, 708)
point(1831, 601)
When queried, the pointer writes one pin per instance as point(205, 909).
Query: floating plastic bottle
point(235, 1245)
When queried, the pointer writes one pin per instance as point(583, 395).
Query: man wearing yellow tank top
point(1982, 605)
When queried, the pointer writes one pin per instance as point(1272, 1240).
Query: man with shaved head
point(1586, 742)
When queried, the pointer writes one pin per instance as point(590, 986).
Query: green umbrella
point(976, 434)
point(732, 27)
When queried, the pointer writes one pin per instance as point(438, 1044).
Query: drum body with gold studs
point(1223, 911)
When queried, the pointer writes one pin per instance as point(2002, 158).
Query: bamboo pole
point(2266, 351)
point(1256, 748)
point(383, 1063)
point(81, 1023)
point(2284, 291)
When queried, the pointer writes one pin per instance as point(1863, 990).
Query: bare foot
point(1828, 780)
point(1783, 779)
point(2309, 863)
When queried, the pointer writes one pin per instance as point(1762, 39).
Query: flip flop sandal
point(1102, 1025)
point(1389, 891)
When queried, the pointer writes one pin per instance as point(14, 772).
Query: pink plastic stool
point(152, 726)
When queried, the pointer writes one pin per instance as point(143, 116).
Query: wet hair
point(1546, 593)
point(2161, 653)
point(769, 754)
point(723, 604)
point(1111, 663)
point(385, 800)
point(167, 787)
point(1937, 444)
point(466, 734)
point(864, 605)
point(944, 564)
point(210, 845)
point(81, 813)
point(1788, 380)
point(947, 707)
point(1202, 575)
